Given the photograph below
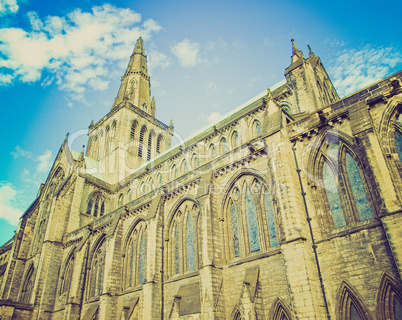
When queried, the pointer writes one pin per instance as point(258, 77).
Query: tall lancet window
point(190, 242)
point(97, 268)
point(348, 197)
point(150, 143)
point(252, 222)
point(141, 140)
point(182, 250)
point(135, 259)
point(249, 218)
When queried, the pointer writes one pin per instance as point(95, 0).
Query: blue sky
point(61, 63)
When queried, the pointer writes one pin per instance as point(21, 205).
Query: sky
point(61, 63)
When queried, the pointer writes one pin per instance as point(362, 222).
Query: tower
point(310, 82)
point(129, 135)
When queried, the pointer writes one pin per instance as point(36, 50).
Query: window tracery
point(250, 220)
point(96, 205)
point(135, 257)
point(347, 196)
point(96, 271)
point(182, 248)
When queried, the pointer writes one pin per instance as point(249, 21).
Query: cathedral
point(288, 208)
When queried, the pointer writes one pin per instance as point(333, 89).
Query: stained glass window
point(258, 128)
point(354, 314)
point(190, 243)
point(397, 308)
point(358, 189)
point(177, 250)
point(131, 265)
point(398, 140)
point(102, 211)
point(235, 229)
point(89, 209)
point(143, 252)
point(270, 219)
point(252, 222)
point(334, 201)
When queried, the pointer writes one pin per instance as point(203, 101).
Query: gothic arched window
point(121, 201)
point(235, 140)
point(194, 161)
point(96, 270)
point(141, 140)
point(67, 276)
point(347, 196)
point(26, 290)
point(182, 246)
point(389, 298)
point(136, 257)
point(212, 151)
point(173, 172)
point(223, 146)
point(133, 129)
point(159, 144)
point(250, 222)
point(350, 307)
point(256, 128)
point(96, 205)
point(150, 142)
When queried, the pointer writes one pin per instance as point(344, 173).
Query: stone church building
point(288, 208)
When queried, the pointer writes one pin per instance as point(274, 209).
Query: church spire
point(135, 86)
point(296, 53)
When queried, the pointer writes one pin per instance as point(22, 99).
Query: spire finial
point(310, 52)
point(81, 156)
point(296, 53)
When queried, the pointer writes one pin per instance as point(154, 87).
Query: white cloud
point(211, 86)
point(214, 117)
point(42, 163)
point(157, 59)
point(7, 7)
point(187, 52)
point(76, 51)
point(357, 68)
point(8, 195)
point(45, 161)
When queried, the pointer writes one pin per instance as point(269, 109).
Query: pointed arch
point(135, 255)
point(235, 139)
point(181, 230)
point(159, 144)
point(340, 185)
point(141, 140)
point(194, 161)
point(96, 268)
point(350, 306)
point(133, 130)
point(27, 286)
point(150, 144)
point(389, 298)
point(67, 273)
point(212, 151)
point(256, 127)
point(236, 314)
point(223, 146)
point(250, 216)
point(279, 311)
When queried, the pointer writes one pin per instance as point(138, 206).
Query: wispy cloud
point(211, 86)
point(8, 196)
point(8, 7)
point(357, 68)
point(75, 51)
point(187, 52)
point(42, 165)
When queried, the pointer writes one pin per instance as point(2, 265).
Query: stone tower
point(309, 81)
point(129, 135)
